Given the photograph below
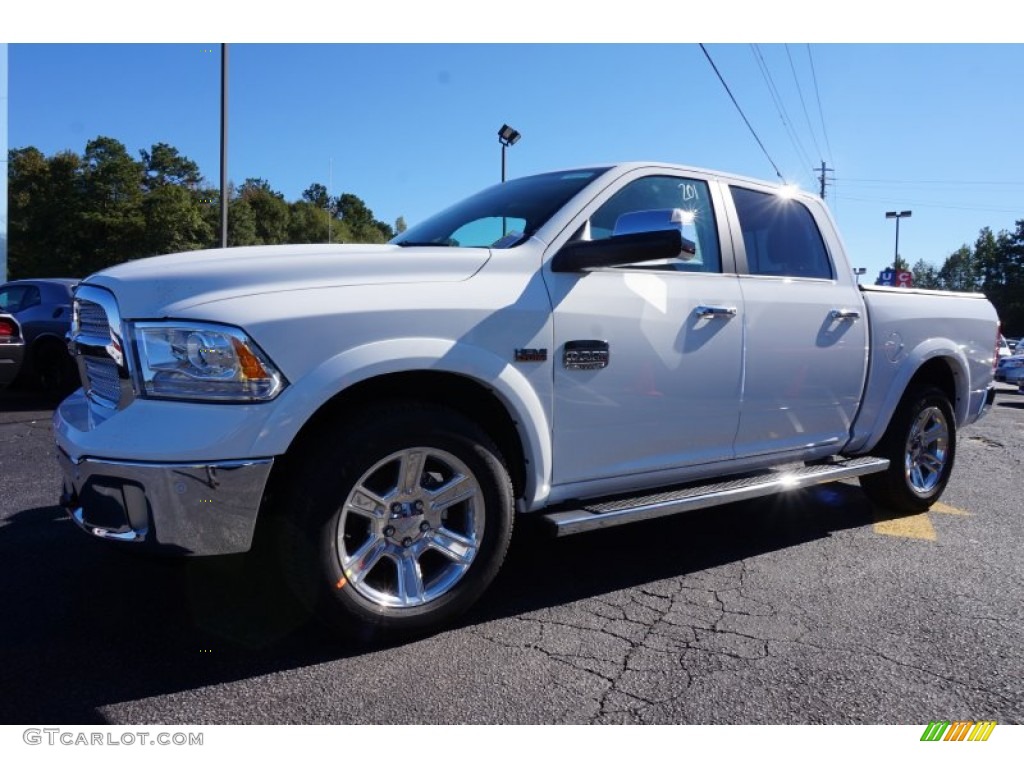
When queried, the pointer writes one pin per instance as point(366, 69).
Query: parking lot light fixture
point(896, 257)
point(507, 136)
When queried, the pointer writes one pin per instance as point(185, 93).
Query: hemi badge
point(586, 355)
point(531, 355)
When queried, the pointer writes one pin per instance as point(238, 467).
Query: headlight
point(202, 361)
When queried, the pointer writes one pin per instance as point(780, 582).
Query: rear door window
point(780, 236)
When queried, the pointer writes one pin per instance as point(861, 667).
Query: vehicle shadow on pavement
point(542, 571)
point(87, 625)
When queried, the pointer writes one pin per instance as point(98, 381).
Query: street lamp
point(507, 136)
point(896, 255)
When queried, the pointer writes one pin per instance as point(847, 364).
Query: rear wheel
point(401, 520)
point(920, 444)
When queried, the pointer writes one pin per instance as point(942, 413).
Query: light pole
point(896, 254)
point(507, 136)
point(223, 145)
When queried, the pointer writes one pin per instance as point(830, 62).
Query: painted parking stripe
point(947, 510)
point(914, 526)
point(909, 527)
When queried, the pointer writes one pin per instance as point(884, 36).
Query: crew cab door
point(805, 329)
point(647, 355)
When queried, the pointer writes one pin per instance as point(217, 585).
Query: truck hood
point(165, 286)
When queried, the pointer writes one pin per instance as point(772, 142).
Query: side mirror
point(617, 250)
point(657, 220)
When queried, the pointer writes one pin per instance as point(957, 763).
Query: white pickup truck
point(593, 346)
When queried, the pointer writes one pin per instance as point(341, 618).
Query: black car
point(42, 308)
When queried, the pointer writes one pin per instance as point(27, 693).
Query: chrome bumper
point(185, 509)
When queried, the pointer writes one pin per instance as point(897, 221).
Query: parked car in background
point(43, 310)
point(12, 349)
point(1011, 369)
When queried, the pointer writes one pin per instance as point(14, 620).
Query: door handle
point(707, 313)
point(844, 314)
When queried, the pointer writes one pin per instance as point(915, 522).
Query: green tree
point(308, 223)
point(359, 220)
point(926, 275)
point(1008, 297)
point(269, 210)
point(241, 223)
point(175, 221)
point(164, 165)
point(400, 225)
point(112, 221)
point(959, 272)
point(317, 195)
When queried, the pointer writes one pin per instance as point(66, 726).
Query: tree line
point(70, 215)
point(993, 266)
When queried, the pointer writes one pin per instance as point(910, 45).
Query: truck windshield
point(501, 216)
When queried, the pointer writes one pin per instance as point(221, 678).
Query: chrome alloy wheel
point(927, 451)
point(410, 528)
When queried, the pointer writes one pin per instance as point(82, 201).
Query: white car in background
point(1003, 350)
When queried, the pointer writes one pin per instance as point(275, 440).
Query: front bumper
point(178, 508)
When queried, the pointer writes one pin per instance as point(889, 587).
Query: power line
point(925, 182)
point(738, 109)
point(817, 95)
point(780, 106)
point(800, 93)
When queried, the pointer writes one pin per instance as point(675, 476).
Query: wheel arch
point(935, 367)
point(469, 380)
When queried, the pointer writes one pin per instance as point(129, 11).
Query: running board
point(604, 513)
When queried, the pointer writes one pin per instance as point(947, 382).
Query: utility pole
point(822, 178)
point(223, 145)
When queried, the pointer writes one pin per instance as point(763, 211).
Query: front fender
point(301, 400)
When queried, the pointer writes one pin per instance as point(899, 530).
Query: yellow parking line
point(945, 509)
point(910, 527)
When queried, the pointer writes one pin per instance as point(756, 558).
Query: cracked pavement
point(784, 610)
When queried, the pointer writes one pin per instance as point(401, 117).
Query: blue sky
point(411, 128)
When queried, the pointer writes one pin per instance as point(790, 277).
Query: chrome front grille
point(92, 320)
point(97, 341)
point(102, 382)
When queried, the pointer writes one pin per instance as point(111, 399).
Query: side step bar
point(606, 513)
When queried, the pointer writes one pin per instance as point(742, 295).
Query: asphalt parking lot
point(809, 608)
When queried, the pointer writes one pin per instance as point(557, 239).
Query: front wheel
point(402, 519)
point(920, 444)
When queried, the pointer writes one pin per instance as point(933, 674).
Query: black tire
point(920, 444)
point(55, 369)
point(419, 562)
